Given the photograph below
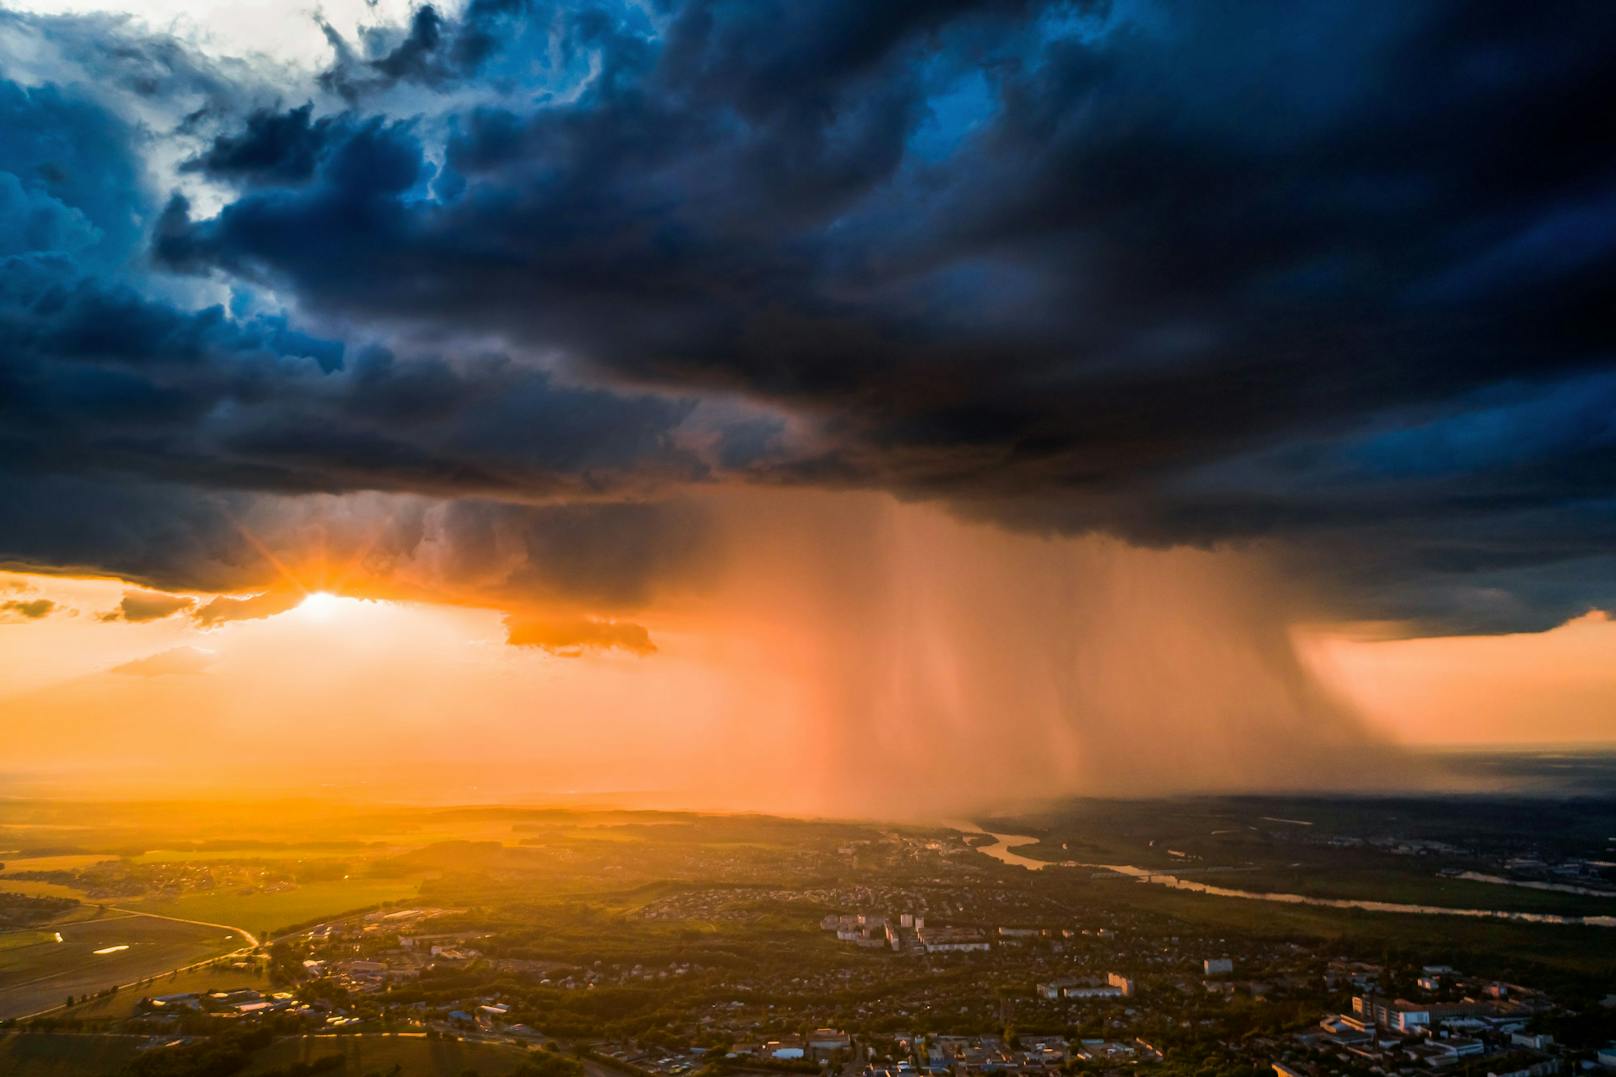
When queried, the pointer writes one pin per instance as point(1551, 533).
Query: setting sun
point(321, 606)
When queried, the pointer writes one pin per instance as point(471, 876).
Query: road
point(248, 936)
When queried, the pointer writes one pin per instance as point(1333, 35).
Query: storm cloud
point(1333, 282)
point(570, 638)
point(140, 606)
point(27, 609)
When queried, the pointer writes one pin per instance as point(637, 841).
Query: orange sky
point(846, 654)
point(1542, 688)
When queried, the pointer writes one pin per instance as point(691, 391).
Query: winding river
point(1005, 845)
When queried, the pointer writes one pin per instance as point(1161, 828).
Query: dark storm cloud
point(1335, 279)
point(27, 609)
point(226, 608)
point(97, 375)
point(273, 146)
point(433, 51)
point(168, 536)
point(140, 606)
point(100, 378)
point(608, 555)
point(570, 638)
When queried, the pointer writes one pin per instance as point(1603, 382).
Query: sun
point(319, 605)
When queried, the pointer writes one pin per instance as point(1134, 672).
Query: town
point(666, 944)
point(1096, 1002)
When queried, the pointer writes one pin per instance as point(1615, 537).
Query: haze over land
point(828, 636)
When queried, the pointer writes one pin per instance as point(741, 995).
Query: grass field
point(261, 912)
point(416, 1055)
point(30, 936)
point(70, 862)
point(1524, 950)
point(41, 975)
point(1412, 884)
point(39, 889)
point(1332, 847)
point(207, 978)
point(62, 1054)
point(278, 853)
point(55, 1054)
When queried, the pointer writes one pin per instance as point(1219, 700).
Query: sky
point(817, 406)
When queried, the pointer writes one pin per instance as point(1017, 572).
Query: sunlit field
point(270, 912)
point(92, 955)
point(379, 1054)
point(64, 1055)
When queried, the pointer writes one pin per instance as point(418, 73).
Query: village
point(1095, 1002)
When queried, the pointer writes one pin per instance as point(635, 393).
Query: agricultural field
point(34, 888)
point(1411, 850)
point(58, 1054)
point(220, 976)
point(108, 951)
point(65, 862)
point(214, 851)
point(269, 911)
point(32, 936)
point(64, 1054)
point(417, 1055)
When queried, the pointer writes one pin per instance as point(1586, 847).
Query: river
point(1005, 845)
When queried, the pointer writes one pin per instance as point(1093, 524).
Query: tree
point(549, 1064)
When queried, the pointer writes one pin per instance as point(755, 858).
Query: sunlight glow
point(320, 606)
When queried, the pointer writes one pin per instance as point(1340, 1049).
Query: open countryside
point(109, 950)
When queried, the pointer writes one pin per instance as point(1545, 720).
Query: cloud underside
point(501, 291)
point(570, 638)
point(140, 606)
point(27, 609)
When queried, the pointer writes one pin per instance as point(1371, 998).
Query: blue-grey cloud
point(1333, 280)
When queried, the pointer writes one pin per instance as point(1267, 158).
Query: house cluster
point(910, 933)
point(241, 1002)
point(990, 1054)
point(951, 940)
point(636, 1058)
point(866, 929)
point(1485, 1029)
point(1115, 985)
point(820, 1045)
point(967, 1055)
point(905, 933)
point(381, 950)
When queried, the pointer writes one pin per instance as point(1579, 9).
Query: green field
point(1532, 952)
point(198, 980)
point(38, 976)
point(34, 888)
point(269, 853)
point(1332, 847)
point(62, 1054)
point(416, 1055)
point(261, 912)
point(1413, 884)
point(66, 862)
point(56, 1054)
point(30, 936)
